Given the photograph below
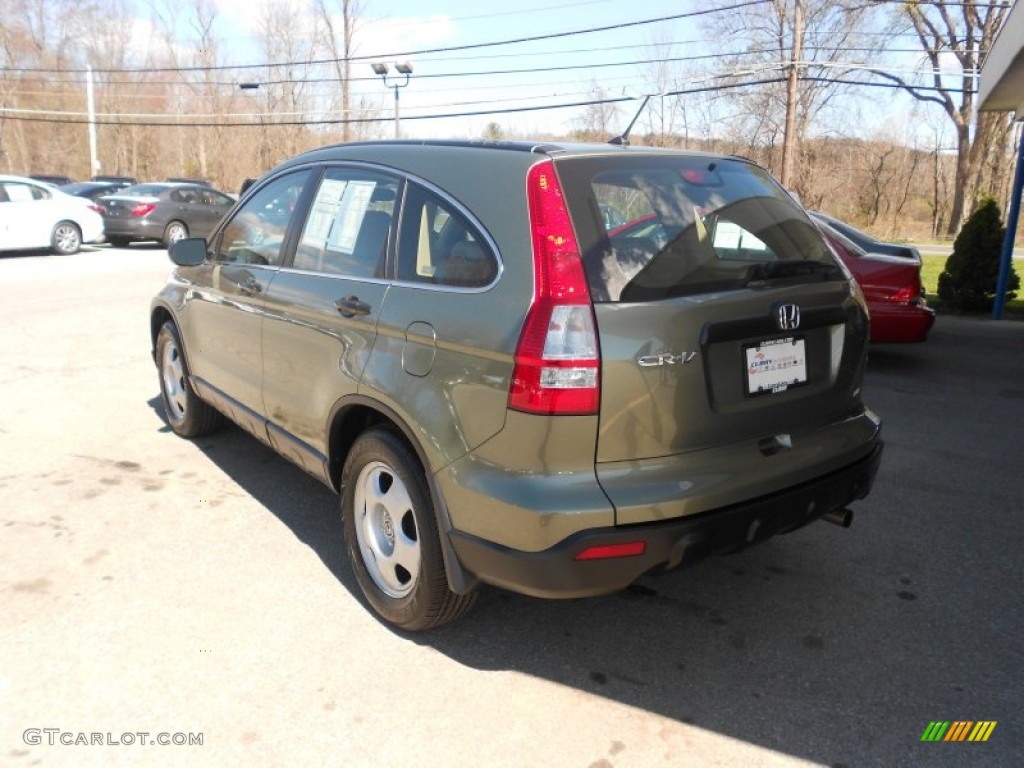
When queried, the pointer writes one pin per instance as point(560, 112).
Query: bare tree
point(666, 117)
point(340, 19)
point(10, 44)
point(122, 148)
point(194, 48)
point(600, 120)
point(880, 170)
point(39, 34)
point(965, 30)
point(288, 42)
point(803, 45)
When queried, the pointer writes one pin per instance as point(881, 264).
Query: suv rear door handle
point(249, 286)
point(351, 306)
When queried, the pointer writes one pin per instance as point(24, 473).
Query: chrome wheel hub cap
point(386, 530)
point(67, 238)
point(173, 376)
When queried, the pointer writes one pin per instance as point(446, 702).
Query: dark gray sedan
point(165, 212)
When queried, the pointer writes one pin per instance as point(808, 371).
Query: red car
point(891, 284)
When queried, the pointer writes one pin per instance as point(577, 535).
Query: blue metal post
point(1011, 232)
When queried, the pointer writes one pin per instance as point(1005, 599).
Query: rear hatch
point(725, 323)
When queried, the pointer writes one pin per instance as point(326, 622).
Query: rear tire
point(186, 414)
point(66, 238)
point(391, 535)
point(174, 232)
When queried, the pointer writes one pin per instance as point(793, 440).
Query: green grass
point(931, 268)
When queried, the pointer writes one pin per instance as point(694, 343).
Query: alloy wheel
point(386, 530)
point(173, 375)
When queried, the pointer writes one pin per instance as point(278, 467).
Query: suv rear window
point(656, 227)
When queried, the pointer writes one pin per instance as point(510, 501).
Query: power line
point(314, 110)
point(398, 54)
point(469, 113)
point(494, 72)
point(965, 3)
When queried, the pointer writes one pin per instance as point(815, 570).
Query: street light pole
point(403, 68)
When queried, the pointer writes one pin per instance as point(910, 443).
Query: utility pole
point(789, 140)
point(94, 162)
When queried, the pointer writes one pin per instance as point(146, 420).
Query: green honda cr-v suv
point(551, 368)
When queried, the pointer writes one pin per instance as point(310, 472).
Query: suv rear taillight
point(141, 209)
point(557, 359)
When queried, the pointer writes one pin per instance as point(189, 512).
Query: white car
point(36, 215)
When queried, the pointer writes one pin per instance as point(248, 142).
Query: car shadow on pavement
point(147, 245)
point(306, 506)
point(831, 645)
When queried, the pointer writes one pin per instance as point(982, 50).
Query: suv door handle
point(351, 306)
point(249, 286)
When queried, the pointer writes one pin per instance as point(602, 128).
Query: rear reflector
point(606, 551)
point(557, 357)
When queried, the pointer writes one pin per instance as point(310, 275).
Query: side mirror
point(190, 252)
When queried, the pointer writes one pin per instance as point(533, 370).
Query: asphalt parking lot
point(158, 586)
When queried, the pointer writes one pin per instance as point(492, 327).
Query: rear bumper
point(555, 572)
point(903, 325)
point(93, 233)
point(133, 229)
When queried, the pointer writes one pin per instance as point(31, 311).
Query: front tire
point(186, 414)
point(391, 535)
point(174, 232)
point(66, 238)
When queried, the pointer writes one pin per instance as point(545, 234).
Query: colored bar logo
point(958, 730)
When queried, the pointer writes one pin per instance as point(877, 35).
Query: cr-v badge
point(665, 358)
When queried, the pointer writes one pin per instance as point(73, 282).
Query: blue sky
point(606, 60)
point(395, 26)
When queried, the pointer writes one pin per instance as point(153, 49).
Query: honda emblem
point(788, 317)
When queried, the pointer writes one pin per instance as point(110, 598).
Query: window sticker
point(351, 209)
point(324, 212)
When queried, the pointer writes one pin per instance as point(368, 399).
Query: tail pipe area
point(842, 517)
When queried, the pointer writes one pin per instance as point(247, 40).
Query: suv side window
point(439, 246)
point(348, 225)
point(255, 234)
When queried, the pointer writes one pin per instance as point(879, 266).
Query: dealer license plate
point(776, 365)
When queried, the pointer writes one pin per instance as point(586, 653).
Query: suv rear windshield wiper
point(773, 270)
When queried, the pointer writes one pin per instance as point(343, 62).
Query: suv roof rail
point(517, 146)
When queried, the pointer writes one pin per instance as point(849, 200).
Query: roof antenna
point(623, 140)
